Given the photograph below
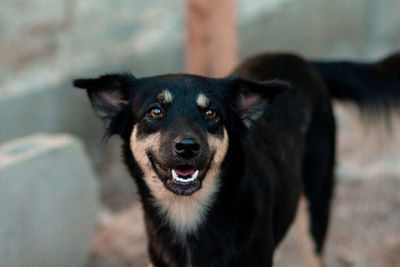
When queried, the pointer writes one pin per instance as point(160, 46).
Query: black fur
point(374, 87)
point(280, 143)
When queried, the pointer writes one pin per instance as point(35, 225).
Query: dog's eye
point(156, 113)
point(210, 114)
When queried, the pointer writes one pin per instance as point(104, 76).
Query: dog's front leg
point(306, 244)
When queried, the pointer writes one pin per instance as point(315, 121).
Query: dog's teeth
point(195, 174)
point(174, 175)
point(191, 179)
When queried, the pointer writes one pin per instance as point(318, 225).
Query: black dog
point(220, 163)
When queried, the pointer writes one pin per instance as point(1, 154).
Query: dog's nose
point(187, 147)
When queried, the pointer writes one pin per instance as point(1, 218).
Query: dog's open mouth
point(183, 181)
point(184, 176)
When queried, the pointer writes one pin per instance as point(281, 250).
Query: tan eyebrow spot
point(202, 100)
point(165, 96)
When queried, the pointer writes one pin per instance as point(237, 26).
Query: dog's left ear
point(254, 96)
point(108, 94)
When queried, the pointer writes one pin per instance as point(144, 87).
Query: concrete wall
point(146, 37)
point(41, 51)
point(51, 110)
point(357, 29)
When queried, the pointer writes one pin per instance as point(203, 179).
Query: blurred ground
point(365, 222)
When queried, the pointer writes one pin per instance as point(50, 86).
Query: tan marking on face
point(184, 213)
point(202, 101)
point(139, 148)
point(165, 97)
point(220, 146)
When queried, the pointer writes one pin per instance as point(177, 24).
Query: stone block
point(48, 202)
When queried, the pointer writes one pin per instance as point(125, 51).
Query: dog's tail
point(373, 87)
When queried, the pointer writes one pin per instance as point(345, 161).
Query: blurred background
point(65, 197)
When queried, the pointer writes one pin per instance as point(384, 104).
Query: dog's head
point(177, 126)
point(177, 129)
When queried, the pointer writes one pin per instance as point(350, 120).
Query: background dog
point(220, 163)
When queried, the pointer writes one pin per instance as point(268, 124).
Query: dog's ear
point(108, 94)
point(252, 97)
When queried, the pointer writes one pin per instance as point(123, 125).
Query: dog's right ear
point(252, 97)
point(108, 94)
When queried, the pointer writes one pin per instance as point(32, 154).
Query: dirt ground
point(365, 222)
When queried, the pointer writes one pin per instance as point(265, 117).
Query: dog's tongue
point(185, 172)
